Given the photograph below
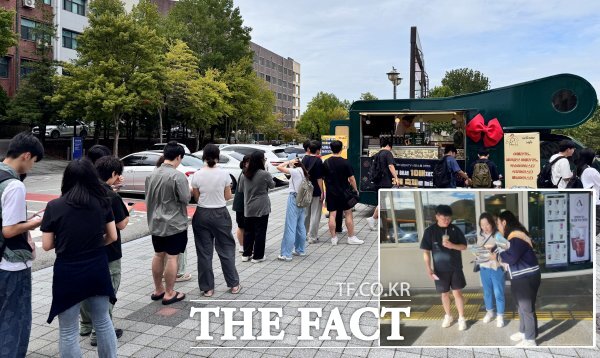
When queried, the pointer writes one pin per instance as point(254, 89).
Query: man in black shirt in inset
point(444, 241)
point(109, 169)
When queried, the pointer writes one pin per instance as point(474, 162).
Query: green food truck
point(420, 128)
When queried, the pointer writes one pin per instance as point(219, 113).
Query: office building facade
point(283, 78)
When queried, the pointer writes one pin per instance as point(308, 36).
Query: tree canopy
point(587, 133)
point(7, 37)
point(461, 81)
point(320, 111)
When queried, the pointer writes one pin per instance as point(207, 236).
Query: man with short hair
point(444, 241)
point(339, 177)
point(109, 169)
point(16, 246)
point(386, 162)
point(314, 165)
point(483, 156)
point(454, 169)
point(167, 195)
point(561, 170)
point(405, 126)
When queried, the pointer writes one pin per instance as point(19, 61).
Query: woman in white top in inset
point(211, 188)
point(294, 236)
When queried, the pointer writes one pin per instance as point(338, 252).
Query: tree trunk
point(160, 125)
point(97, 128)
point(212, 133)
point(106, 128)
point(116, 120)
point(197, 140)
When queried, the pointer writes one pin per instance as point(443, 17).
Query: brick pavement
point(153, 330)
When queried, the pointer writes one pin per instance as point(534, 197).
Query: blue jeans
point(493, 286)
point(68, 324)
point(294, 236)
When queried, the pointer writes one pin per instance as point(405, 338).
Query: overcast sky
point(346, 46)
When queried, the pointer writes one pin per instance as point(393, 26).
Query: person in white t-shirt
point(211, 188)
point(590, 178)
point(294, 235)
point(16, 247)
point(561, 170)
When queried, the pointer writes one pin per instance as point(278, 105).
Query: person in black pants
point(525, 276)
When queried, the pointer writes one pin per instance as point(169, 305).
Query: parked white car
point(56, 131)
point(138, 166)
point(274, 155)
point(161, 146)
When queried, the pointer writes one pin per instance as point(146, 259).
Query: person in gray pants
point(313, 163)
point(211, 187)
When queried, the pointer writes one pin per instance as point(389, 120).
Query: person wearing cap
point(444, 242)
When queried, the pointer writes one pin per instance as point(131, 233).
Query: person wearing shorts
point(167, 195)
point(444, 242)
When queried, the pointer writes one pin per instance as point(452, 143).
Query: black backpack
point(544, 178)
point(441, 174)
point(374, 175)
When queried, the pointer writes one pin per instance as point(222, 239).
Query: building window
point(274, 80)
point(267, 78)
point(75, 6)
point(70, 39)
point(279, 82)
point(268, 63)
point(27, 27)
point(4, 61)
point(255, 58)
point(262, 61)
point(26, 67)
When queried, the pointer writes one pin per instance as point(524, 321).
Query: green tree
point(119, 66)
point(7, 37)
point(368, 96)
point(251, 100)
point(586, 133)
point(440, 91)
point(320, 111)
point(213, 29)
point(465, 80)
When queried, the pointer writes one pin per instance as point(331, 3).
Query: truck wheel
point(83, 133)
point(54, 135)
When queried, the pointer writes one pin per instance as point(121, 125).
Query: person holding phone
point(444, 242)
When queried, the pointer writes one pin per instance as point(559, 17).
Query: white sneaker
point(526, 343)
point(245, 258)
point(462, 324)
point(312, 241)
point(500, 321)
point(241, 250)
point(297, 254)
point(353, 240)
point(517, 337)
point(258, 260)
point(447, 321)
point(283, 258)
point(371, 222)
point(334, 241)
point(488, 317)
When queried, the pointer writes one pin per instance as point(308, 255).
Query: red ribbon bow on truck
point(492, 132)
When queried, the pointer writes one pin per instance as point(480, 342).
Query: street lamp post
point(394, 77)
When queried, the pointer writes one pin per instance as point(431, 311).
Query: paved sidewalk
point(153, 330)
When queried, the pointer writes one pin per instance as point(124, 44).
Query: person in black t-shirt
point(109, 169)
point(339, 177)
point(314, 164)
point(387, 164)
point(444, 241)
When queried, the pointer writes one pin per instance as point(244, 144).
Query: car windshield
point(192, 161)
point(280, 153)
point(234, 155)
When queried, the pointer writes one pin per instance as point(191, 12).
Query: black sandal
point(175, 298)
point(154, 297)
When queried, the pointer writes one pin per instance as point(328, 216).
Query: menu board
point(579, 218)
point(521, 159)
point(555, 209)
point(326, 149)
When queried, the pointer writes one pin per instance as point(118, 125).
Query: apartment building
point(283, 76)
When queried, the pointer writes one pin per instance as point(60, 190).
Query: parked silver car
point(56, 131)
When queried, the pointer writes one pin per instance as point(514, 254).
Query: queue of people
point(442, 244)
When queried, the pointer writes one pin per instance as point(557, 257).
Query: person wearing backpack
point(383, 175)
point(561, 169)
point(16, 246)
point(447, 169)
point(483, 172)
point(294, 235)
point(314, 165)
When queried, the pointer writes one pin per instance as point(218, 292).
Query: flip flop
point(175, 298)
point(157, 297)
point(238, 290)
point(207, 294)
point(184, 277)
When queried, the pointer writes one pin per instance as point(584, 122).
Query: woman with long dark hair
point(491, 272)
point(211, 187)
point(294, 235)
point(238, 206)
point(78, 225)
point(255, 184)
point(525, 277)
